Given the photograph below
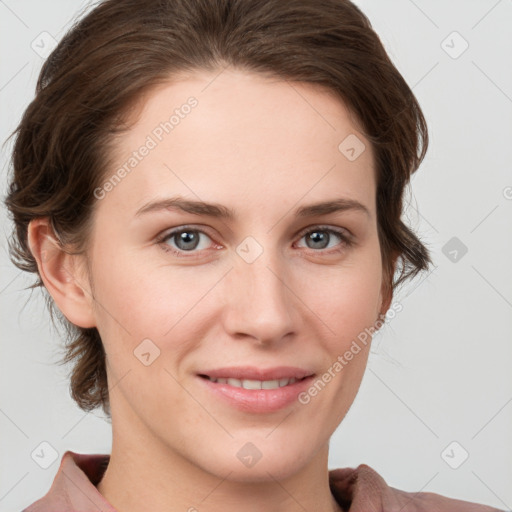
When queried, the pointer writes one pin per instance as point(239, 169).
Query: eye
point(186, 239)
point(319, 238)
point(189, 240)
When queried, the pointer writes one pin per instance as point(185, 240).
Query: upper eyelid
point(340, 231)
point(205, 230)
point(325, 227)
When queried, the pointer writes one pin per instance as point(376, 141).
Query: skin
point(262, 147)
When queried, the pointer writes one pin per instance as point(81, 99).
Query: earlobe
point(386, 301)
point(387, 287)
point(60, 273)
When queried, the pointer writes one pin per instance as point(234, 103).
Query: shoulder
point(362, 489)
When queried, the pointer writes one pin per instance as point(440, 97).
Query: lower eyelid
point(162, 240)
point(345, 239)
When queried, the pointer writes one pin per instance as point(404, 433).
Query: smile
point(254, 384)
point(255, 396)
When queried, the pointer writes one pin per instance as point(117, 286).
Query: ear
point(387, 287)
point(63, 274)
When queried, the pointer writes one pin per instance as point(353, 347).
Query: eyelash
point(346, 240)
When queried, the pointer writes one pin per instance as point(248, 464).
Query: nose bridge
point(259, 299)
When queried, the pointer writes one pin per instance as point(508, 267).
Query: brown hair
point(105, 63)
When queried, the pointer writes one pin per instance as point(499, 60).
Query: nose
point(259, 303)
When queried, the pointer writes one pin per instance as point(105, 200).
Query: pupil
point(187, 238)
point(318, 236)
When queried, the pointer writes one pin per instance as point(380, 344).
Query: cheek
point(125, 293)
point(138, 299)
point(347, 298)
point(359, 297)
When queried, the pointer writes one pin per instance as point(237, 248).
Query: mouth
point(256, 396)
point(254, 383)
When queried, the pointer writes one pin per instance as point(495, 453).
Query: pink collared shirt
point(356, 490)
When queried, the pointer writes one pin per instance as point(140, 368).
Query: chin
point(249, 463)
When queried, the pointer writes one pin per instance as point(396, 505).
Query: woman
point(211, 194)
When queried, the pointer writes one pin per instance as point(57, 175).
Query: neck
point(142, 476)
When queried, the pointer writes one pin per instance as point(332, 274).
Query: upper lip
point(253, 373)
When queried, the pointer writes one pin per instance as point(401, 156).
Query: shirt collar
point(355, 489)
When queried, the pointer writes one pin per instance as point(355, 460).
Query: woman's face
point(252, 290)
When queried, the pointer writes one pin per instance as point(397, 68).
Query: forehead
point(244, 138)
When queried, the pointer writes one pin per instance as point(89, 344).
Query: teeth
point(255, 384)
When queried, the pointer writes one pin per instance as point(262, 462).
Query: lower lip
point(258, 400)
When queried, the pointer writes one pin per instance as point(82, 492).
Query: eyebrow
point(222, 212)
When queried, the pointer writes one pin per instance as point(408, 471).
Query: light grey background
point(439, 371)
